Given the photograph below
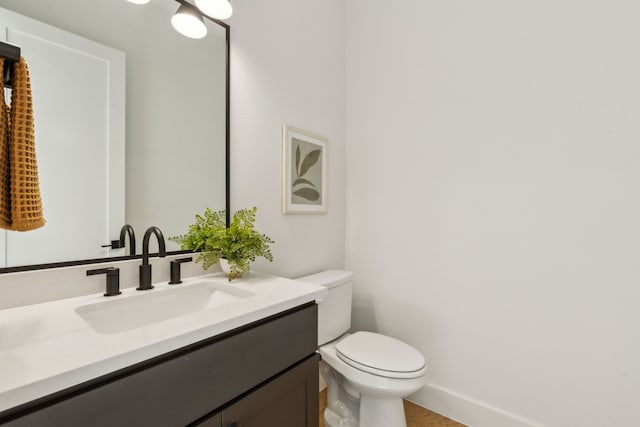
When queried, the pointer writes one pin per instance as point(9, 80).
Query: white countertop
point(45, 348)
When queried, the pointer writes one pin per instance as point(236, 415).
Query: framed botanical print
point(304, 172)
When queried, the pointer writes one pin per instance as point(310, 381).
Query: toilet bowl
point(367, 373)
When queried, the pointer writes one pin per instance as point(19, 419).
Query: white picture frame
point(304, 172)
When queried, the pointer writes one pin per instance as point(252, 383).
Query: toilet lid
point(381, 355)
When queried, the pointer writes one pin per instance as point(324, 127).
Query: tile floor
point(416, 415)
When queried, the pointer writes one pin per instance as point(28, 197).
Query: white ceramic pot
point(224, 265)
point(226, 268)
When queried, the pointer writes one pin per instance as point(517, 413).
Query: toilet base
point(331, 419)
point(378, 412)
point(374, 413)
point(347, 407)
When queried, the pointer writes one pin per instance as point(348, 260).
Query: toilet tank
point(334, 311)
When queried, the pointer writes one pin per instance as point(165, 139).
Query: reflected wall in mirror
point(174, 130)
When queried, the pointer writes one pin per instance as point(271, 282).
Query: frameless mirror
point(173, 125)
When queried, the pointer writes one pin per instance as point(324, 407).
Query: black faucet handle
point(175, 270)
point(113, 279)
point(115, 244)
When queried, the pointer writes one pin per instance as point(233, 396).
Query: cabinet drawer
point(187, 384)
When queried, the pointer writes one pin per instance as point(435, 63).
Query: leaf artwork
point(301, 181)
point(307, 193)
point(309, 160)
point(306, 187)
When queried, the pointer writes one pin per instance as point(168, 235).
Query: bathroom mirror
point(176, 132)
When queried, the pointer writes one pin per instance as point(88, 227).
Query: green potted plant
point(239, 244)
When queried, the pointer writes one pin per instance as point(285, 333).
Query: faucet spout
point(145, 244)
point(145, 268)
point(128, 230)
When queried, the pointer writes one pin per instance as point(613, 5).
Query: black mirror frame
point(227, 178)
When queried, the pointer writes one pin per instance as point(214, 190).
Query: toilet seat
point(381, 355)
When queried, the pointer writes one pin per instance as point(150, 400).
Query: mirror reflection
point(131, 124)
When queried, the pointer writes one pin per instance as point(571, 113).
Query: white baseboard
point(466, 410)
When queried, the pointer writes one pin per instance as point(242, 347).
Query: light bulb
point(219, 9)
point(188, 22)
point(138, 1)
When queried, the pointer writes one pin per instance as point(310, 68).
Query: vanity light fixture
point(189, 18)
point(219, 9)
point(189, 22)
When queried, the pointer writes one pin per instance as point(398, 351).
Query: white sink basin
point(144, 308)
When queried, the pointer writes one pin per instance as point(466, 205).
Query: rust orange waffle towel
point(5, 175)
point(20, 202)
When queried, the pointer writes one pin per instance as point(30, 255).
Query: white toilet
point(367, 374)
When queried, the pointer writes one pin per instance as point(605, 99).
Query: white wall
point(287, 67)
point(493, 205)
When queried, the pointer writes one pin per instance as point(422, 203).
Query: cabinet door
point(289, 400)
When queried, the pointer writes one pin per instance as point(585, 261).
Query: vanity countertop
point(48, 347)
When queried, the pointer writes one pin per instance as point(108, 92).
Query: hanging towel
point(5, 174)
point(25, 203)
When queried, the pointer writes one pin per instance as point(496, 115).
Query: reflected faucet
point(119, 244)
point(145, 268)
point(127, 229)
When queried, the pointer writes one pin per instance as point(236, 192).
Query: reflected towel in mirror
point(20, 201)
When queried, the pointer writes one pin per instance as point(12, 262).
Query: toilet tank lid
point(328, 278)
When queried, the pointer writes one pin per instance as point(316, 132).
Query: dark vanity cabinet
point(262, 374)
point(289, 400)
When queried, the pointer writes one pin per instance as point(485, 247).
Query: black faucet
point(118, 244)
point(127, 229)
point(175, 270)
point(145, 268)
point(113, 279)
